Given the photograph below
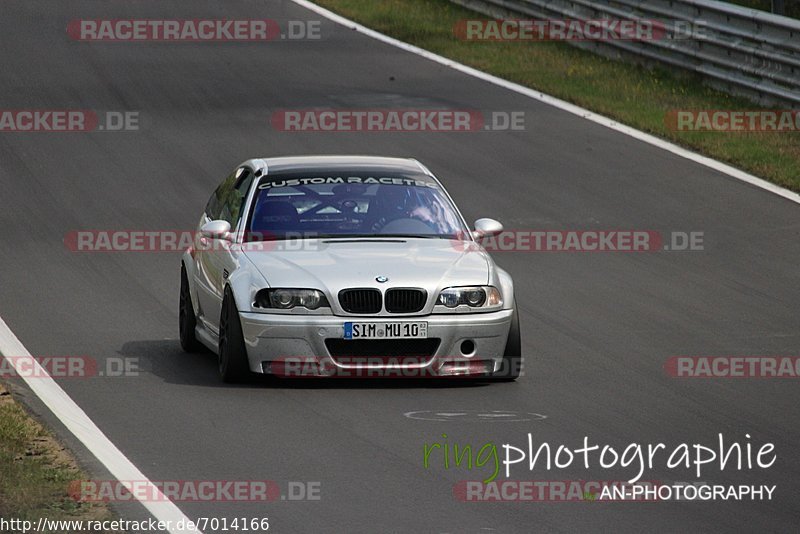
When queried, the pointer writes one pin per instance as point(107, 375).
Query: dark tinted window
point(226, 202)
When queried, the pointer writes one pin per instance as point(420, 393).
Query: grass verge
point(633, 95)
point(35, 471)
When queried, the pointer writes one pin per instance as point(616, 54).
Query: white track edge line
point(560, 104)
point(83, 428)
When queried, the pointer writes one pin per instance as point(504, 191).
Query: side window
point(226, 202)
point(233, 196)
point(216, 204)
point(213, 207)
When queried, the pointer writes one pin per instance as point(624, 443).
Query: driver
point(394, 202)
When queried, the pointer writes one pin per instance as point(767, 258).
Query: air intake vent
point(360, 300)
point(405, 300)
point(400, 351)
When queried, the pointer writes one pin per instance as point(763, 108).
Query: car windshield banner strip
point(283, 180)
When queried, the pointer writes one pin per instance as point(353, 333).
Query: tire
point(186, 318)
point(512, 355)
point(233, 364)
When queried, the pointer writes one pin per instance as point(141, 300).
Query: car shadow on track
point(165, 359)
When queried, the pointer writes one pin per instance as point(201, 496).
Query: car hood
point(333, 265)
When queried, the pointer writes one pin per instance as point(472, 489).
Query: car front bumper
point(295, 345)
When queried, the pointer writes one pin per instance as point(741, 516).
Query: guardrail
point(741, 51)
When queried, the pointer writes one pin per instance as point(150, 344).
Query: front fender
point(245, 282)
point(502, 280)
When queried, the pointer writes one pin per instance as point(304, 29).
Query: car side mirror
point(218, 229)
point(486, 228)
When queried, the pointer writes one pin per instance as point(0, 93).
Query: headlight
point(484, 297)
point(286, 299)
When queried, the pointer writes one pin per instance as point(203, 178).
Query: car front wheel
point(233, 365)
point(512, 355)
point(186, 318)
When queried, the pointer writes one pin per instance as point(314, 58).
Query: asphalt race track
point(597, 327)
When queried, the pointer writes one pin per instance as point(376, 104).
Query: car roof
point(331, 163)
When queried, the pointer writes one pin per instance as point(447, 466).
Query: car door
point(204, 262)
point(220, 258)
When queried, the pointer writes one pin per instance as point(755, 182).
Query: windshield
point(351, 204)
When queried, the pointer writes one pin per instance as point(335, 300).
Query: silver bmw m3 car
point(345, 266)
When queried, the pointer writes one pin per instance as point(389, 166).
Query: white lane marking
point(560, 104)
point(83, 428)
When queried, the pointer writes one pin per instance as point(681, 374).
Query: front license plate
point(394, 330)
